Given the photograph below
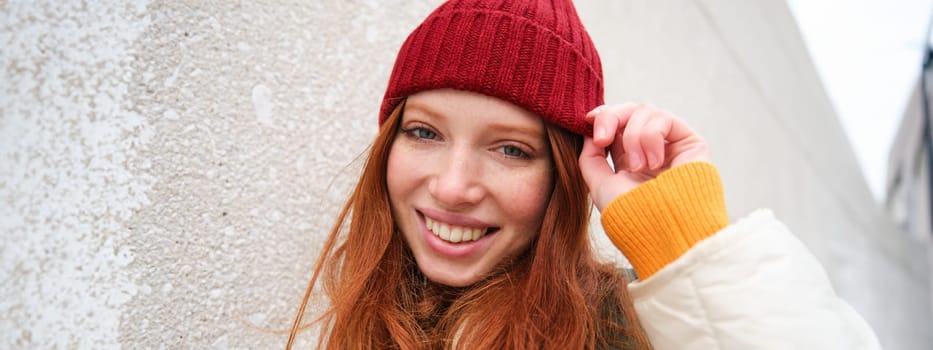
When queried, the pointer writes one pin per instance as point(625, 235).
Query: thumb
point(593, 165)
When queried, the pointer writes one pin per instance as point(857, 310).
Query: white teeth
point(453, 233)
point(444, 232)
point(456, 234)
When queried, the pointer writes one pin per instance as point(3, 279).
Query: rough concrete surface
point(168, 170)
point(70, 136)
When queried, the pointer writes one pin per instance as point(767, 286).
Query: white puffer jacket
point(752, 285)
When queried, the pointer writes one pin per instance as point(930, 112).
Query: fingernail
point(592, 114)
point(634, 161)
point(652, 161)
point(600, 132)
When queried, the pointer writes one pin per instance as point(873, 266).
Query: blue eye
point(514, 152)
point(425, 133)
point(420, 133)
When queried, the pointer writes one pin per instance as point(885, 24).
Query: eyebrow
point(532, 132)
point(424, 109)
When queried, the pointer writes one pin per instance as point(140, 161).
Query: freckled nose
point(457, 182)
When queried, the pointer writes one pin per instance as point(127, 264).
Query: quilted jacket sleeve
point(711, 285)
point(752, 285)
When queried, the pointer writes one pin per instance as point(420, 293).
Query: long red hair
point(556, 295)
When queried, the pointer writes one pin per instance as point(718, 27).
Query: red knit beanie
point(533, 53)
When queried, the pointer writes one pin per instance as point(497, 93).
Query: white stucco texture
point(69, 134)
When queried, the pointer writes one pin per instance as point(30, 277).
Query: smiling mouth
point(456, 234)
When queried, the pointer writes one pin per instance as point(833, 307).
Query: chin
point(450, 279)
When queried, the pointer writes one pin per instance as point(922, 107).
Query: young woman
point(468, 227)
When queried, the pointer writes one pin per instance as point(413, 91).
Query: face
point(469, 177)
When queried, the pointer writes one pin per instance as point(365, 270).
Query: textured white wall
point(168, 171)
point(70, 136)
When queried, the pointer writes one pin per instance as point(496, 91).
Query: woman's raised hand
point(643, 141)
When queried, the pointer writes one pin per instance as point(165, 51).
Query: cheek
point(397, 184)
point(391, 174)
point(404, 184)
point(528, 198)
point(396, 179)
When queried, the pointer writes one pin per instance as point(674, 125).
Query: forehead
point(450, 104)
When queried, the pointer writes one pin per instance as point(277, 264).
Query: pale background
point(168, 171)
point(868, 53)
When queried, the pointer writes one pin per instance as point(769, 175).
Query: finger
point(683, 144)
point(604, 127)
point(679, 130)
point(607, 120)
point(690, 149)
point(617, 153)
point(631, 138)
point(592, 113)
point(653, 139)
point(593, 164)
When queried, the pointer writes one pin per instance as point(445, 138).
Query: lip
point(454, 250)
point(454, 219)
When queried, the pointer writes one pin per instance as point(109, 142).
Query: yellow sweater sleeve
point(658, 221)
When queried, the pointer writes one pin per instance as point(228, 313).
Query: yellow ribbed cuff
point(658, 221)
